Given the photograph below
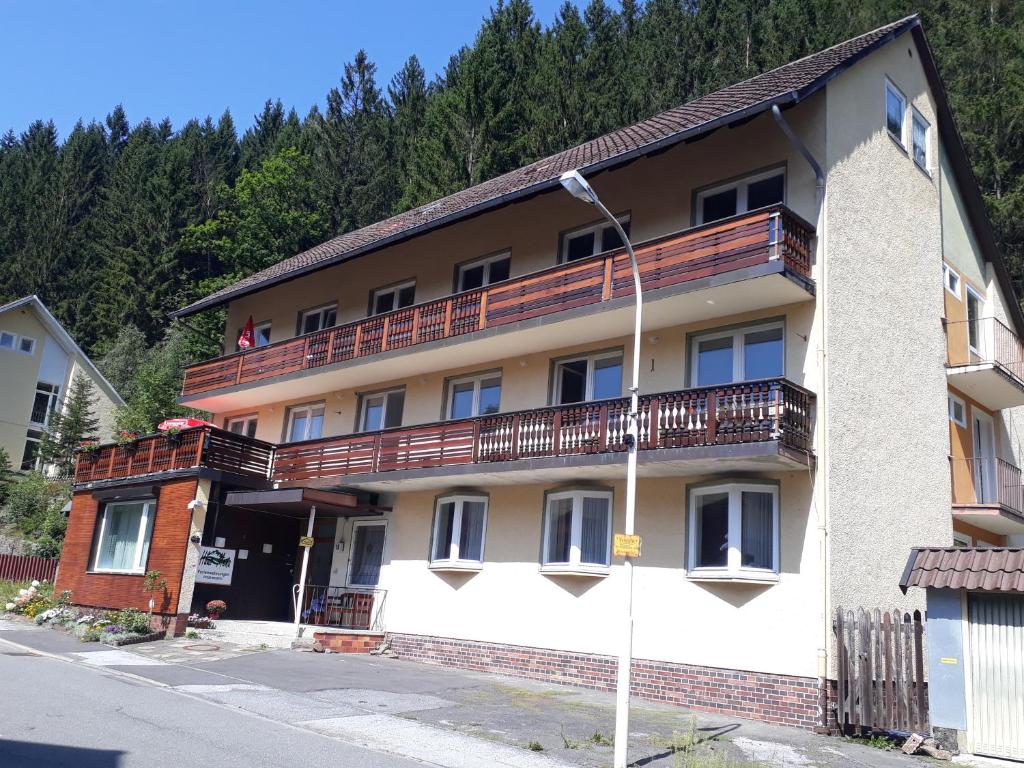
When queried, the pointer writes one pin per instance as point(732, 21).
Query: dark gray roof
point(993, 569)
point(785, 85)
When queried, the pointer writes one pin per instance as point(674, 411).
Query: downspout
point(819, 490)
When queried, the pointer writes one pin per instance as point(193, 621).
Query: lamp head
point(578, 187)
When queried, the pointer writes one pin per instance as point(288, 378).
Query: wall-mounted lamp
point(196, 504)
point(195, 538)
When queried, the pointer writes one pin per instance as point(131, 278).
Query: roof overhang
point(986, 569)
point(298, 502)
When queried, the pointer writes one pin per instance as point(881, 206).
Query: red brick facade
point(348, 643)
point(166, 554)
point(785, 699)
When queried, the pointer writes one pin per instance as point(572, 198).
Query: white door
point(984, 460)
point(996, 709)
point(367, 554)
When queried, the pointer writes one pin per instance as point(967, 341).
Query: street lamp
point(578, 187)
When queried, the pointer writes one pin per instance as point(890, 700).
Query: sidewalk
point(450, 717)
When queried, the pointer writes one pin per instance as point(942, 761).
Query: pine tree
point(68, 427)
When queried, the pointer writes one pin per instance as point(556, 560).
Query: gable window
point(740, 196)
point(477, 274)
point(591, 240)
point(895, 112)
point(590, 377)
point(919, 139)
point(313, 320)
point(975, 310)
point(44, 403)
point(951, 279)
point(957, 411)
point(743, 354)
point(473, 396)
point(7, 340)
point(305, 422)
point(242, 425)
point(734, 530)
point(577, 530)
point(27, 345)
point(123, 536)
point(393, 297)
point(459, 524)
point(30, 455)
point(381, 410)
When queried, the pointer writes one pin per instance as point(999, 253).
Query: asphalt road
point(54, 713)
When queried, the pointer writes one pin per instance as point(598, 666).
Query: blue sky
point(65, 60)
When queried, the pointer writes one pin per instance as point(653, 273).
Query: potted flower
point(126, 438)
point(88, 449)
point(215, 608)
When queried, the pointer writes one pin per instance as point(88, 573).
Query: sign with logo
point(306, 541)
point(215, 566)
point(626, 546)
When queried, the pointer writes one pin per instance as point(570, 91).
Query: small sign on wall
point(215, 566)
point(626, 546)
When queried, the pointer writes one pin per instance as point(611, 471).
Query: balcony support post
point(300, 588)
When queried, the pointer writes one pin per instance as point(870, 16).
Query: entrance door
point(997, 675)
point(984, 459)
point(367, 554)
point(321, 556)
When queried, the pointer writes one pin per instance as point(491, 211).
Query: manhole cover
point(201, 647)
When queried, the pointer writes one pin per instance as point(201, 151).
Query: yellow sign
point(947, 660)
point(626, 546)
point(306, 541)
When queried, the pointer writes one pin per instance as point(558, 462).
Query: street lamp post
point(578, 187)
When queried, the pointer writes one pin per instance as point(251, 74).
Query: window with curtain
point(734, 530)
point(577, 529)
point(367, 554)
point(459, 523)
point(123, 534)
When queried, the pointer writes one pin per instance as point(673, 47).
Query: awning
point(991, 569)
point(296, 502)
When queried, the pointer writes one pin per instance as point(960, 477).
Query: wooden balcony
point(985, 360)
point(762, 237)
point(202, 447)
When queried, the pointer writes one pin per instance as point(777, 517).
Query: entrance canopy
point(990, 569)
point(296, 502)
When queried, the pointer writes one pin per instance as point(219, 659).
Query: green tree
point(6, 475)
point(68, 427)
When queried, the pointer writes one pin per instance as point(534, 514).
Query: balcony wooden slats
point(736, 243)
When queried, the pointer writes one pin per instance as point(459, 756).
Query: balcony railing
point(749, 412)
point(341, 607)
point(746, 240)
point(985, 340)
point(191, 448)
point(988, 481)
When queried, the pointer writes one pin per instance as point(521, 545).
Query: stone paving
point(185, 651)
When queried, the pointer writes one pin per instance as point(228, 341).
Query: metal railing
point(988, 481)
point(984, 340)
point(341, 607)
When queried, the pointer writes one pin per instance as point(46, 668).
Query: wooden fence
point(20, 568)
point(880, 671)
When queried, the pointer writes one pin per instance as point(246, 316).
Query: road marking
point(200, 689)
point(117, 658)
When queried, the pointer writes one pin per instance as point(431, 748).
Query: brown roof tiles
point(994, 569)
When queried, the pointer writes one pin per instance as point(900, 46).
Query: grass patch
point(9, 590)
point(601, 740)
point(535, 746)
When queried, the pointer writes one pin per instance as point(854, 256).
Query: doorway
point(985, 490)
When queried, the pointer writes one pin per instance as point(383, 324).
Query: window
point(305, 422)
point(919, 139)
point(895, 112)
point(26, 345)
point(746, 194)
point(734, 530)
point(578, 529)
point(242, 425)
point(261, 333)
point(975, 310)
point(957, 411)
point(594, 377)
point(367, 554)
point(962, 540)
point(382, 410)
point(477, 274)
point(591, 240)
point(459, 524)
point(30, 456)
point(7, 340)
point(44, 404)
point(313, 320)
point(122, 540)
point(951, 279)
point(393, 297)
point(473, 396)
point(744, 354)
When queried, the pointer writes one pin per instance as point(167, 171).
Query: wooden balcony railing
point(749, 412)
point(199, 447)
point(985, 340)
point(749, 239)
point(988, 481)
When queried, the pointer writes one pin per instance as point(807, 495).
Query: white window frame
point(13, 337)
point(485, 262)
point(310, 410)
point(737, 334)
point(962, 540)
point(980, 352)
point(455, 559)
point(53, 398)
point(952, 402)
point(951, 280)
point(477, 380)
point(265, 326)
point(598, 228)
point(917, 117)
point(322, 311)
point(148, 514)
point(734, 569)
point(351, 558)
point(32, 435)
point(378, 292)
point(742, 186)
point(890, 87)
point(31, 345)
point(364, 401)
point(576, 533)
point(245, 421)
point(592, 360)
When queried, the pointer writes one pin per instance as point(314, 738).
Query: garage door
point(997, 675)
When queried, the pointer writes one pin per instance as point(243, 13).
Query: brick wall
point(166, 553)
point(343, 642)
point(784, 699)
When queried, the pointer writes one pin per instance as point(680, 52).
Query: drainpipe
point(819, 490)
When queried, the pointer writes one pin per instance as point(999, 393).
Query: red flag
point(248, 338)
